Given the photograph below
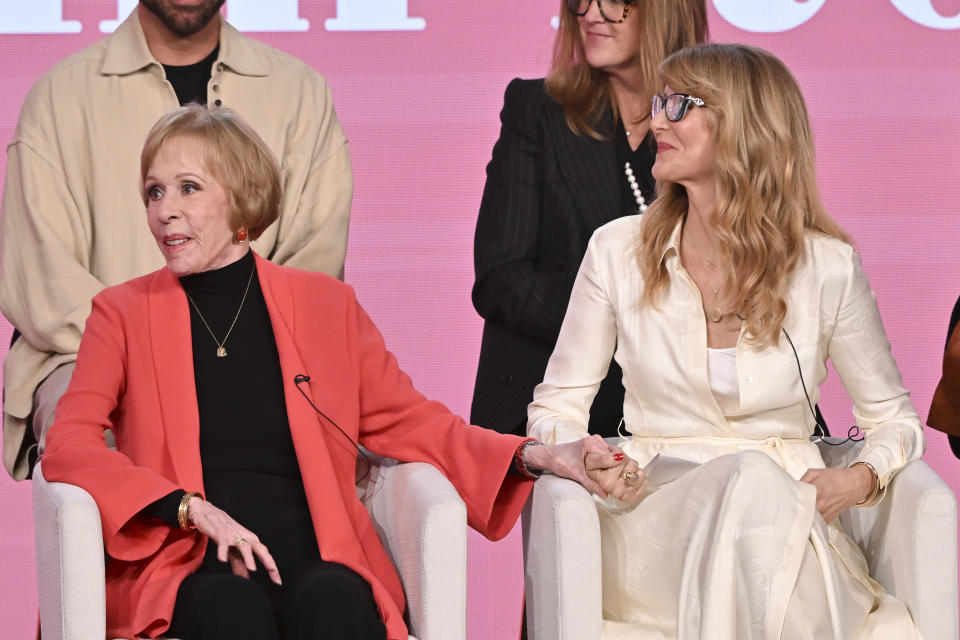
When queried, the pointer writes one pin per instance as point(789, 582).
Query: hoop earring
point(240, 235)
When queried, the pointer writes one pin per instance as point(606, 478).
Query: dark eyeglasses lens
point(675, 105)
point(578, 7)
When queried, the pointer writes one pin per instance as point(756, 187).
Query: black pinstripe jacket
point(547, 190)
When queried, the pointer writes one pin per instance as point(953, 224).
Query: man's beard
point(183, 21)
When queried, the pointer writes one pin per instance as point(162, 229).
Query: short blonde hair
point(234, 154)
point(584, 92)
point(767, 196)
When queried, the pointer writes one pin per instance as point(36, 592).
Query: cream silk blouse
point(669, 406)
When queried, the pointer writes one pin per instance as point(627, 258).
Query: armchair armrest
point(561, 549)
point(422, 522)
point(909, 540)
point(70, 568)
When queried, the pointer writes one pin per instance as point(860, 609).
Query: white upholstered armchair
point(909, 540)
point(418, 515)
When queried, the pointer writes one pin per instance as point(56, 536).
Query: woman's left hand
point(625, 481)
point(235, 543)
point(839, 489)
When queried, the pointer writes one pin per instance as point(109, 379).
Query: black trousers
point(318, 600)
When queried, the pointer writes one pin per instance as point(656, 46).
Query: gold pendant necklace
point(221, 351)
point(714, 314)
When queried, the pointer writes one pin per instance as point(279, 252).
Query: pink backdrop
point(418, 86)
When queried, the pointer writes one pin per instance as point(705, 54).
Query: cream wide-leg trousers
point(735, 549)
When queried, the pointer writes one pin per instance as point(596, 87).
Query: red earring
point(241, 234)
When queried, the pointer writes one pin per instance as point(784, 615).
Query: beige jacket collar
point(127, 50)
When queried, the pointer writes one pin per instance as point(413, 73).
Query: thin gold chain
point(714, 314)
point(711, 265)
point(221, 352)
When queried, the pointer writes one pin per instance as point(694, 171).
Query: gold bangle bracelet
point(876, 483)
point(182, 511)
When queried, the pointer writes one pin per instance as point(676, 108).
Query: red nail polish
point(618, 457)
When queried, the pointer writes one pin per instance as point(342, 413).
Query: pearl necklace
point(632, 181)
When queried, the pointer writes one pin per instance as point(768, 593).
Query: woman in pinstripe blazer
point(574, 153)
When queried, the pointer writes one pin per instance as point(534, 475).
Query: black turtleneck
point(250, 468)
point(243, 415)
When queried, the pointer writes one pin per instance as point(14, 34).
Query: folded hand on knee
point(839, 489)
point(235, 543)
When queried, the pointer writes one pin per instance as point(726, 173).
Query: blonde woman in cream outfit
point(695, 299)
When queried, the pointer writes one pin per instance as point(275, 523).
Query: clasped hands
point(601, 468)
point(616, 474)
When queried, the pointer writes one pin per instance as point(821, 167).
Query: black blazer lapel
point(590, 168)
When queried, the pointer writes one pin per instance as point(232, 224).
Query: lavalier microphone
point(300, 379)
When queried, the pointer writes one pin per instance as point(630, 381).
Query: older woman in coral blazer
point(229, 507)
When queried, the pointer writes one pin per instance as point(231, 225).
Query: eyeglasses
point(618, 9)
point(674, 105)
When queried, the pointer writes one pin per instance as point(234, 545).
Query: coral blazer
point(134, 375)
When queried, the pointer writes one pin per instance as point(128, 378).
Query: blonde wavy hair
point(767, 196)
point(584, 92)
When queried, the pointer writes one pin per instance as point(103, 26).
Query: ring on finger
point(239, 541)
point(630, 477)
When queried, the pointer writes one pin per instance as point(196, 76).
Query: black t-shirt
point(190, 81)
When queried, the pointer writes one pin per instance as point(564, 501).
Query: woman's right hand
point(598, 466)
point(568, 460)
point(235, 542)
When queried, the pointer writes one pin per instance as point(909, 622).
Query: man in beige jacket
point(72, 219)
